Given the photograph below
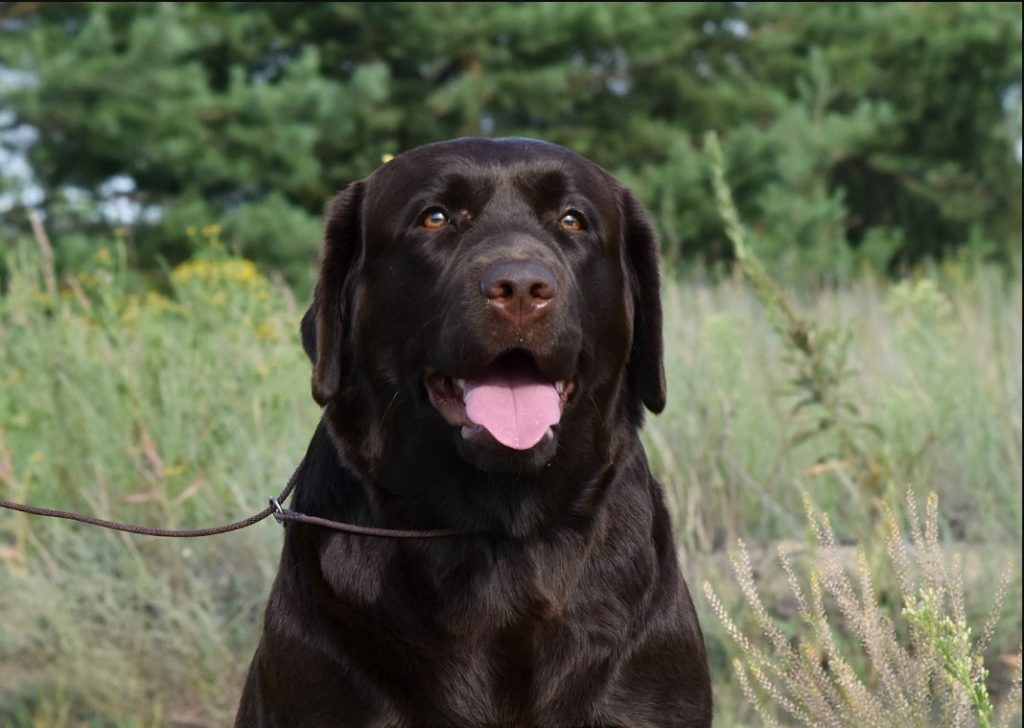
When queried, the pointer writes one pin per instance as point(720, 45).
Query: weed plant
point(932, 674)
point(926, 671)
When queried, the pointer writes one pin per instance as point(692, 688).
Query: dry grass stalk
point(923, 668)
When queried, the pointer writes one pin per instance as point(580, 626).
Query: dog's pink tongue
point(517, 407)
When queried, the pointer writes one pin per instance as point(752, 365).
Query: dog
point(485, 336)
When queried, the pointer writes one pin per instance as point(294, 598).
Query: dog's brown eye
point(434, 219)
point(571, 221)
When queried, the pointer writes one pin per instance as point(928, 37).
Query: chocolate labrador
point(485, 337)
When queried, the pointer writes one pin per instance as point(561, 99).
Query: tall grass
point(827, 410)
point(183, 410)
point(190, 408)
point(936, 366)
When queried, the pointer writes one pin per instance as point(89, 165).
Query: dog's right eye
point(434, 219)
point(572, 221)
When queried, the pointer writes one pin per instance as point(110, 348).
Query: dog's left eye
point(571, 221)
point(434, 219)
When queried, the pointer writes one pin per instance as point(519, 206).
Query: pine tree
point(883, 132)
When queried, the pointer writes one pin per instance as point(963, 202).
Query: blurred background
point(163, 172)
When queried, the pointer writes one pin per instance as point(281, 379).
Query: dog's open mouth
point(511, 400)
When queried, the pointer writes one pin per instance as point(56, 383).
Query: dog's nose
point(519, 290)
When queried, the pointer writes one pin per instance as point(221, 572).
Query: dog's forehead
point(515, 161)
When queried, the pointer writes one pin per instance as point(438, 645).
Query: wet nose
point(519, 290)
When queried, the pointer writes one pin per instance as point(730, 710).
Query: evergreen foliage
point(852, 132)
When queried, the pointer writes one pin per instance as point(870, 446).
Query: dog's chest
point(496, 641)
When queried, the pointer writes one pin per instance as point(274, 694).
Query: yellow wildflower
point(158, 301)
point(266, 331)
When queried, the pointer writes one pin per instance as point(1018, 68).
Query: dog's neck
point(429, 487)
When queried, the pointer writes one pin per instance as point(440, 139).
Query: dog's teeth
point(460, 384)
point(559, 387)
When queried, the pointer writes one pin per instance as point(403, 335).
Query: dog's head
point(495, 299)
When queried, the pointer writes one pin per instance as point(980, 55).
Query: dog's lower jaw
point(478, 448)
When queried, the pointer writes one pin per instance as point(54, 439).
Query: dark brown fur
point(572, 611)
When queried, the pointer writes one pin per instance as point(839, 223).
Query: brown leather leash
point(281, 515)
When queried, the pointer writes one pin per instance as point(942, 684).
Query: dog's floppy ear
point(646, 360)
point(325, 324)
